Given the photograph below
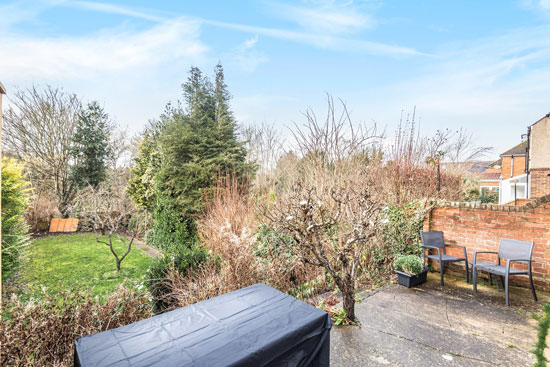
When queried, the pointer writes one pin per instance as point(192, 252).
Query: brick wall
point(480, 226)
point(517, 169)
point(540, 182)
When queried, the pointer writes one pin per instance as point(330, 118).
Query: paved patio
point(435, 326)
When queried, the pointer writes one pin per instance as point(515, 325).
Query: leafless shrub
point(43, 207)
point(42, 333)
point(230, 229)
point(108, 209)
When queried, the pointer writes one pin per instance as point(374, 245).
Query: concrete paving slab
point(434, 326)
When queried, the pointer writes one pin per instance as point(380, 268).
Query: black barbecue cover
point(253, 326)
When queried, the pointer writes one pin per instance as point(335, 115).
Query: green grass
point(78, 262)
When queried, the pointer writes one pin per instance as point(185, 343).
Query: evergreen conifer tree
point(90, 148)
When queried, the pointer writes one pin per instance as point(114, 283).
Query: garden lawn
point(77, 262)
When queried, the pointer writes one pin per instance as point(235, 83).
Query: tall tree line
point(183, 154)
point(65, 146)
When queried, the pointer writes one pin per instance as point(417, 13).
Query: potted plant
point(410, 270)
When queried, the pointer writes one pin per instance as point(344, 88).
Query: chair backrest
point(433, 238)
point(515, 249)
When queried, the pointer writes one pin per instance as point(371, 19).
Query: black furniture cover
point(253, 326)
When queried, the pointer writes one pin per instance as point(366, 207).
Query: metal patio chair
point(434, 241)
point(511, 251)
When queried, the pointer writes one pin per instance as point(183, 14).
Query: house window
point(485, 190)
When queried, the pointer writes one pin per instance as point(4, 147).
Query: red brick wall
point(480, 226)
point(540, 182)
point(518, 166)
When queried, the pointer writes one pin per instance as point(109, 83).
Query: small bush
point(140, 222)
point(42, 333)
point(270, 242)
point(170, 232)
point(410, 264)
point(41, 211)
point(14, 204)
point(188, 259)
point(488, 198)
point(401, 232)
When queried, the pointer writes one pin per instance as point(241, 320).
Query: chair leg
point(506, 291)
point(498, 284)
point(442, 271)
point(532, 285)
point(467, 272)
point(491, 278)
point(474, 278)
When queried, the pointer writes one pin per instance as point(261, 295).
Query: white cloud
point(21, 11)
point(321, 41)
point(115, 9)
point(343, 19)
point(537, 6)
point(110, 50)
point(247, 57)
point(326, 17)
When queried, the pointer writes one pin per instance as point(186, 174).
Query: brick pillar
point(540, 182)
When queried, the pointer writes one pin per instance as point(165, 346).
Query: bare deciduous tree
point(264, 147)
point(109, 208)
point(411, 163)
point(38, 128)
point(121, 147)
point(331, 209)
point(455, 146)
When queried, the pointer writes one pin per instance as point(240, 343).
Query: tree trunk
point(117, 265)
point(349, 303)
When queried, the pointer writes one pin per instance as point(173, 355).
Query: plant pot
point(409, 280)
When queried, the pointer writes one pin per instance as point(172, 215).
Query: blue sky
point(481, 65)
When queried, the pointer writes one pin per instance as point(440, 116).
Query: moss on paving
point(77, 262)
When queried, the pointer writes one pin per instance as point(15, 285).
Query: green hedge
point(14, 205)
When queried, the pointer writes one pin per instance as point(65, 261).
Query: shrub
point(42, 209)
point(402, 229)
point(270, 242)
point(242, 257)
point(249, 252)
point(488, 198)
point(410, 264)
point(140, 222)
point(183, 262)
point(14, 204)
point(42, 333)
point(170, 233)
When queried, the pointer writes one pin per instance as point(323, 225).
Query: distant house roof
point(470, 166)
point(517, 150)
point(479, 167)
point(490, 176)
